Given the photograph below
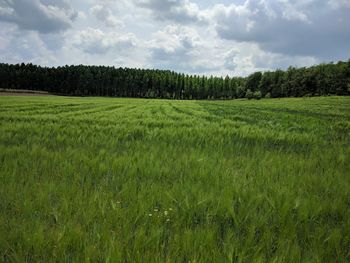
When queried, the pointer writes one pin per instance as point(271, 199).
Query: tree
point(253, 81)
point(323, 79)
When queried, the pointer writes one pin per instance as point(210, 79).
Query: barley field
point(133, 180)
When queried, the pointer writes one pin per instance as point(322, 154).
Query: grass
point(132, 180)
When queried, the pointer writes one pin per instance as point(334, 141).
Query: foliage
point(249, 94)
point(257, 95)
point(321, 80)
point(252, 82)
point(135, 180)
point(268, 95)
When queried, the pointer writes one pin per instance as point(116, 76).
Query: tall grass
point(132, 180)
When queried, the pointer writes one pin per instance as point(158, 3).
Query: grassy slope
point(234, 181)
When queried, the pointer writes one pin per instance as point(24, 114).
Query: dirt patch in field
point(22, 94)
point(9, 92)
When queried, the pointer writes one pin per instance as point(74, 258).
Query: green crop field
point(133, 180)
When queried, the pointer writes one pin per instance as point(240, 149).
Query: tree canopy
point(319, 80)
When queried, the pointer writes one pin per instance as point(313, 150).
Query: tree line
point(319, 80)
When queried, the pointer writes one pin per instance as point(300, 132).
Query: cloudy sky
point(224, 37)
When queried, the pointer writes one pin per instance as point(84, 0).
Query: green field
point(133, 180)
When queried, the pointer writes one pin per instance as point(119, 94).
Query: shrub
point(249, 94)
point(257, 95)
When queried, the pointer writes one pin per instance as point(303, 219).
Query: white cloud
point(105, 15)
point(95, 41)
point(180, 11)
point(81, 15)
point(339, 3)
point(291, 12)
point(44, 16)
point(296, 28)
point(179, 48)
point(229, 37)
point(175, 40)
point(27, 46)
point(247, 58)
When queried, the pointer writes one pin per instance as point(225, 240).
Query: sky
point(225, 37)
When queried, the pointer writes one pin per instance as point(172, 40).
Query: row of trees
point(324, 79)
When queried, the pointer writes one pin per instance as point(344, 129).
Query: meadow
point(136, 180)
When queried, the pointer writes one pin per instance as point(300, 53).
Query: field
point(132, 180)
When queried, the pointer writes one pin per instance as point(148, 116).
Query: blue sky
point(204, 37)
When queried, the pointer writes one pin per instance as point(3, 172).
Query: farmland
point(136, 180)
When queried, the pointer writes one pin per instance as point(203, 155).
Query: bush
point(249, 94)
point(268, 95)
point(257, 95)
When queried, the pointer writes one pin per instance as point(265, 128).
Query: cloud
point(174, 41)
point(248, 57)
point(27, 46)
point(191, 36)
point(95, 41)
point(174, 46)
point(45, 16)
point(180, 48)
point(105, 15)
point(295, 28)
point(339, 3)
point(179, 11)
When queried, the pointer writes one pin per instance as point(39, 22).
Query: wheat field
point(134, 180)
